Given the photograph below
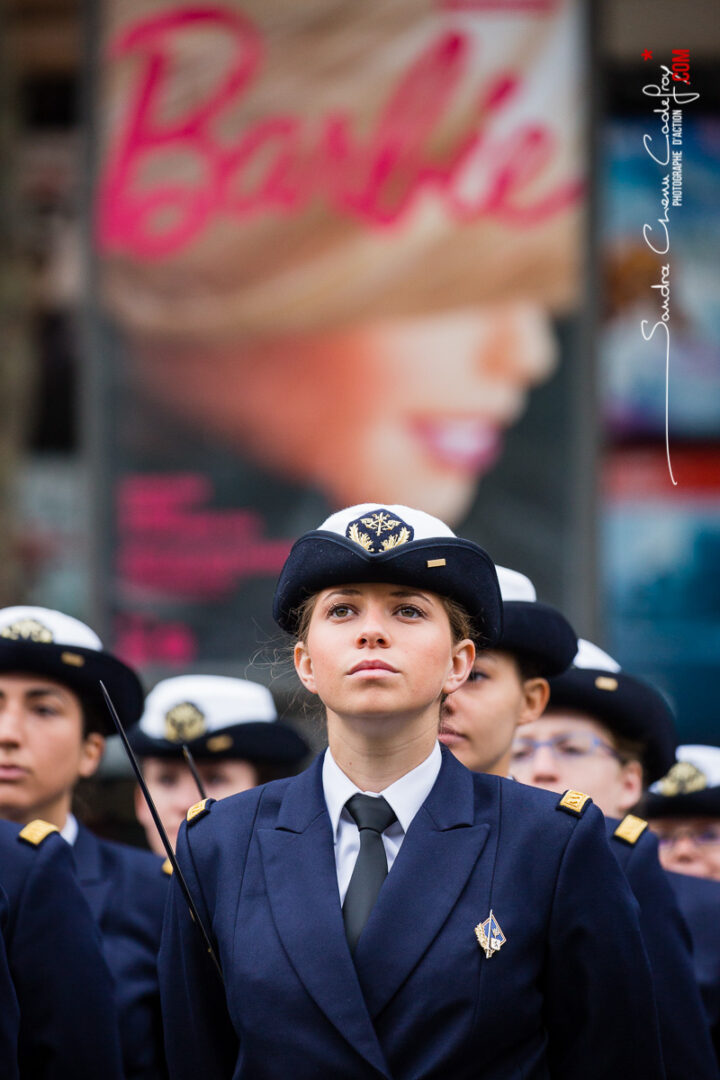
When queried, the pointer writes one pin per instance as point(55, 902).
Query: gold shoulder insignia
point(631, 829)
point(167, 867)
point(200, 809)
point(574, 802)
point(35, 832)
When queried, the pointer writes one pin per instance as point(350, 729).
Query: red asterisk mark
point(646, 54)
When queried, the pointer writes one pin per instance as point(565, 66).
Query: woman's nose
point(10, 726)
point(520, 346)
point(544, 765)
point(372, 628)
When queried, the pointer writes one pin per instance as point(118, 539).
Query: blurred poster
point(633, 369)
point(340, 254)
point(662, 549)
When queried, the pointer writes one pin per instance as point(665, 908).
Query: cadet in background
point(60, 1000)
point(611, 734)
point(231, 729)
point(53, 724)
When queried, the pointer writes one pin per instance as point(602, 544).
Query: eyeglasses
point(562, 747)
point(705, 837)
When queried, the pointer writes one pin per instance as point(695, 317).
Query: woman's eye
point(339, 611)
point(167, 780)
point(476, 676)
point(47, 710)
point(409, 611)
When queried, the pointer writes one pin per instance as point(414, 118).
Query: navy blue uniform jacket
point(568, 995)
point(126, 890)
point(9, 1011)
point(68, 1021)
point(699, 900)
point(685, 1035)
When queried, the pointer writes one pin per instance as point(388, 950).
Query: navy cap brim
point(81, 670)
point(540, 632)
point(633, 710)
point(704, 803)
point(268, 741)
point(449, 566)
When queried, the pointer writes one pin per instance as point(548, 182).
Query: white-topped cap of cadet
point(691, 788)
point(216, 717)
point(536, 631)
point(60, 647)
point(372, 542)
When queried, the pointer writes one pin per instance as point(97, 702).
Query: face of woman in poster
point(406, 410)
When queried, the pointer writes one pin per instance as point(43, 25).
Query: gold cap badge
point(606, 682)
point(184, 722)
point(28, 630)
point(379, 531)
point(683, 779)
point(218, 743)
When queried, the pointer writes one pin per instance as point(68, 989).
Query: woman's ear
point(631, 780)
point(536, 694)
point(303, 666)
point(463, 658)
point(92, 751)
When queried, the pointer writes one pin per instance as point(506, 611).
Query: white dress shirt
point(69, 830)
point(405, 796)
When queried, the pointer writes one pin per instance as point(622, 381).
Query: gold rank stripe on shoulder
point(574, 802)
point(199, 809)
point(167, 867)
point(35, 832)
point(631, 829)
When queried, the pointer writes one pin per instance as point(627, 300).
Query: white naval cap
point(188, 706)
point(46, 627)
point(593, 657)
point(386, 520)
point(703, 771)
point(393, 544)
point(61, 647)
point(515, 586)
point(216, 716)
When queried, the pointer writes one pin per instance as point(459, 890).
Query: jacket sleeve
point(200, 1039)
point(9, 1013)
point(600, 1008)
point(68, 1016)
point(686, 1043)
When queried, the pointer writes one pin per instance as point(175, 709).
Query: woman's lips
point(448, 736)
point(12, 772)
point(464, 442)
point(374, 666)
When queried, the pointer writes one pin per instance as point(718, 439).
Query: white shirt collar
point(405, 796)
point(69, 830)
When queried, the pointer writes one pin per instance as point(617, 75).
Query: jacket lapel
point(437, 857)
point(95, 886)
point(299, 866)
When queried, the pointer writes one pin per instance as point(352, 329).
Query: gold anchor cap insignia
point(683, 779)
point(28, 629)
point(379, 532)
point(184, 722)
point(490, 936)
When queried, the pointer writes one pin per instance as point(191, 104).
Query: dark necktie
point(372, 816)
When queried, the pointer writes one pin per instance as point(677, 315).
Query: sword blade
point(193, 769)
point(160, 828)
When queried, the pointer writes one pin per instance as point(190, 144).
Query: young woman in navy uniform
point(56, 991)
point(388, 913)
point(538, 646)
point(52, 727)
